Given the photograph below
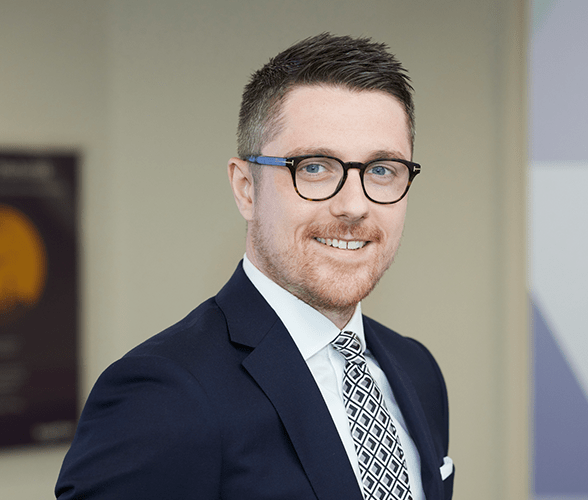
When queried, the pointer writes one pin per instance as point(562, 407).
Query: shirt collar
point(310, 330)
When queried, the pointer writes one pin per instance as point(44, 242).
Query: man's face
point(290, 239)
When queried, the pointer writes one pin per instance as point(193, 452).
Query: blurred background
point(147, 92)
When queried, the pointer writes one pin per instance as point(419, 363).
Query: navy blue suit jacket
point(223, 406)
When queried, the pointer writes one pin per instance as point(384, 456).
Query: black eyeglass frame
point(293, 162)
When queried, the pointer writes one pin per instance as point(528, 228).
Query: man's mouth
point(342, 244)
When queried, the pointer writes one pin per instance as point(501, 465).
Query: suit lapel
point(280, 370)
point(412, 411)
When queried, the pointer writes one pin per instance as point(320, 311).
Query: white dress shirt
point(313, 333)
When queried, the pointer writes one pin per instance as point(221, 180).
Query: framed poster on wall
point(38, 297)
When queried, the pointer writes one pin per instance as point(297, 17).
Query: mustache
point(344, 231)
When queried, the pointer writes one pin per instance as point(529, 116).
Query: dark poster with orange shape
point(38, 297)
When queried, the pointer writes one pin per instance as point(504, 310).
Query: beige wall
point(149, 92)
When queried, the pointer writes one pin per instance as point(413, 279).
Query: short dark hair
point(355, 63)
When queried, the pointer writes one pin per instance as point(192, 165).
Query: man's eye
point(380, 170)
point(313, 168)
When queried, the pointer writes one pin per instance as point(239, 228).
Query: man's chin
point(336, 292)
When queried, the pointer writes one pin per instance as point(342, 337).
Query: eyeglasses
point(318, 178)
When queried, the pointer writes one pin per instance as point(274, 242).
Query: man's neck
point(340, 317)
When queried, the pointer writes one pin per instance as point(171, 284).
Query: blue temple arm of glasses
point(267, 160)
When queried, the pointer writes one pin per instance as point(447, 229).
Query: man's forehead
point(327, 95)
point(311, 113)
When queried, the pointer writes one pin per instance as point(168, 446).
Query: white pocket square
point(446, 469)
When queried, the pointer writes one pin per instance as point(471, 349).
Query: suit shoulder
point(396, 342)
point(198, 332)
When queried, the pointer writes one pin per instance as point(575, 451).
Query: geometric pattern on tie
point(381, 458)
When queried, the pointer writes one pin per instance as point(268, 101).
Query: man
point(278, 387)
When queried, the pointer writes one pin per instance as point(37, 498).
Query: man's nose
point(351, 203)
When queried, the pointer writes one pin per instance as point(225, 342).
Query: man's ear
point(242, 185)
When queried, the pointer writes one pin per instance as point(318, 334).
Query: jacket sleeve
point(148, 431)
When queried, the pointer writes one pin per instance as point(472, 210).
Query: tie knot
point(348, 344)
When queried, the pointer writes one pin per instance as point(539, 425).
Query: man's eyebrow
point(386, 154)
point(375, 155)
point(311, 152)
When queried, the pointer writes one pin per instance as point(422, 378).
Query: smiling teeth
point(343, 245)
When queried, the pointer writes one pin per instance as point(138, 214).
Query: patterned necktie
point(381, 459)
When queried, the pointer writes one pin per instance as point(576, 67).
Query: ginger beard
point(329, 284)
